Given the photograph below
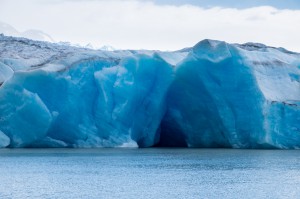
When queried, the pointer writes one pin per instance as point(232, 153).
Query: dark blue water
point(149, 173)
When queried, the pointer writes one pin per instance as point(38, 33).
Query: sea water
point(149, 173)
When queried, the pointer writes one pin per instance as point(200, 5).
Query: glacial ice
point(4, 140)
point(214, 94)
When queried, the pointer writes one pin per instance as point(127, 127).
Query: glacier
point(214, 94)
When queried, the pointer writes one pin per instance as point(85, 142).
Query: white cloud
point(141, 24)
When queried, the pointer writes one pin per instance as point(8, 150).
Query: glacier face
point(214, 94)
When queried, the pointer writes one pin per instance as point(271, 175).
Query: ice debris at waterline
point(214, 94)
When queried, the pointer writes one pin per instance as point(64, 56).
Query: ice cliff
point(214, 94)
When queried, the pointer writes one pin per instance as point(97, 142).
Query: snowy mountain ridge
point(7, 29)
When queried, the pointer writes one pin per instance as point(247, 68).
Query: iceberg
point(214, 94)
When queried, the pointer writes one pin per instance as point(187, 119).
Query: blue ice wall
point(212, 95)
point(92, 103)
point(224, 96)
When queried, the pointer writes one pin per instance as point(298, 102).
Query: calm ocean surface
point(149, 173)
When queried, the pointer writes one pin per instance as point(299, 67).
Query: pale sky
point(162, 25)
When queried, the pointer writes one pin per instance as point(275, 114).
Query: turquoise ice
point(214, 94)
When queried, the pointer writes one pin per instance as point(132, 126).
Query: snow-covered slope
point(212, 95)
